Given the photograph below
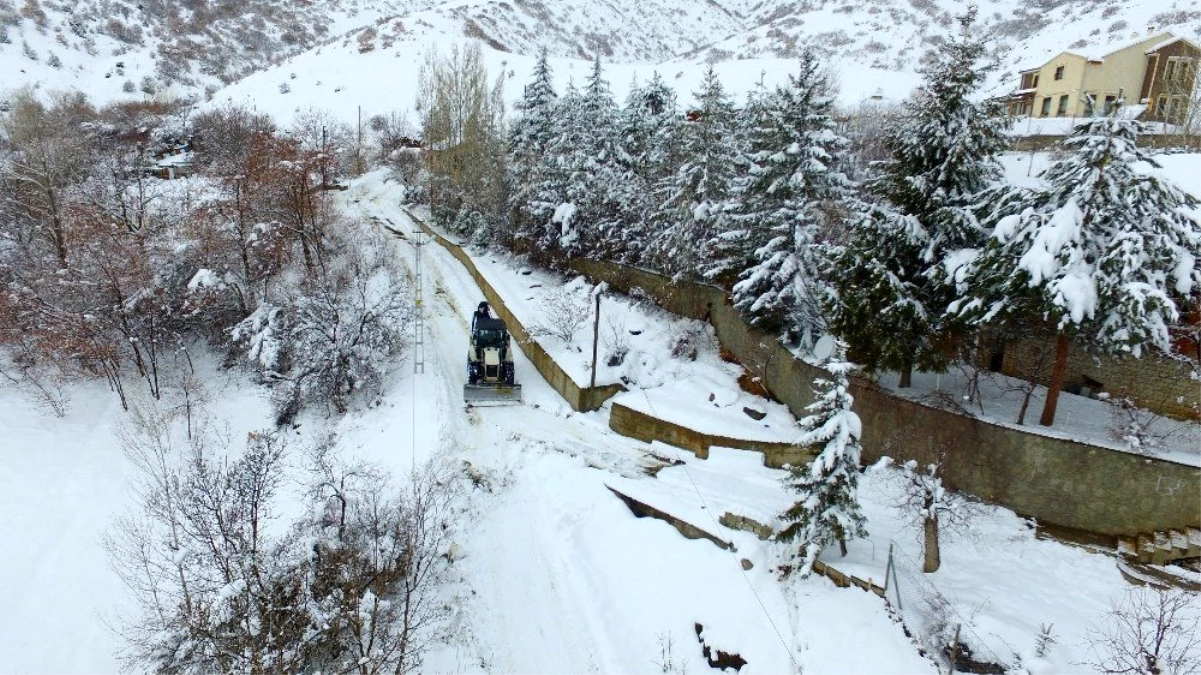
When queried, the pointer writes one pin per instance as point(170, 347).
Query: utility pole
point(595, 336)
point(324, 177)
point(419, 310)
point(358, 148)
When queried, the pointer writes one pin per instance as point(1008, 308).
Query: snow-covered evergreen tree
point(650, 122)
point(888, 276)
point(788, 202)
point(649, 150)
point(1106, 253)
point(695, 195)
point(828, 508)
point(546, 229)
point(597, 191)
point(731, 250)
point(530, 134)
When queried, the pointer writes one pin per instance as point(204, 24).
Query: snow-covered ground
point(64, 481)
point(1002, 583)
point(553, 573)
point(1079, 418)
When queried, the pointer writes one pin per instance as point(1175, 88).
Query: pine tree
point(649, 151)
point(789, 201)
point(597, 192)
point(828, 508)
point(1106, 254)
point(731, 250)
point(695, 195)
point(889, 275)
point(530, 135)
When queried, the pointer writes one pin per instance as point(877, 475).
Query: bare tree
point(378, 559)
point(462, 120)
point(1179, 102)
point(214, 589)
point(1149, 631)
point(926, 502)
point(46, 154)
point(564, 310)
point(342, 334)
point(221, 585)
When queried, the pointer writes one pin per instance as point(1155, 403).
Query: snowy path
point(560, 576)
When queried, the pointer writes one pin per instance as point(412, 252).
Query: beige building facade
point(1079, 83)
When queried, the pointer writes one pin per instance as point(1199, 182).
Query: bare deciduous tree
point(221, 584)
point(1149, 631)
point(462, 119)
point(926, 502)
point(564, 310)
point(46, 154)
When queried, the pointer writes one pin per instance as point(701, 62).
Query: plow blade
point(492, 394)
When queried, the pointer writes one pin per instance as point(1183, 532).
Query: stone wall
point(1153, 142)
point(581, 399)
point(1057, 481)
point(1164, 385)
point(637, 424)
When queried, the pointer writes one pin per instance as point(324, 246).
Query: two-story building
point(1158, 71)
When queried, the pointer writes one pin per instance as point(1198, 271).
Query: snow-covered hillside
point(113, 49)
point(340, 77)
point(124, 48)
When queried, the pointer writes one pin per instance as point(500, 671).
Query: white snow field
point(553, 574)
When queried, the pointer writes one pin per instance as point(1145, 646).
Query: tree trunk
point(906, 377)
point(1027, 392)
point(932, 559)
point(842, 546)
point(1058, 373)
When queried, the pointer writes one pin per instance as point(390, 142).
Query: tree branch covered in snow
point(221, 583)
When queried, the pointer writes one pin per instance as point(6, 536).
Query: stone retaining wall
point(582, 399)
point(1163, 385)
point(1057, 481)
point(636, 424)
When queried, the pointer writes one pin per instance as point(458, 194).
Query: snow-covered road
point(557, 575)
point(551, 572)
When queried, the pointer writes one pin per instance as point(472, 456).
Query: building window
point(1063, 106)
point(1059, 72)
point(1176, 109)
point(1047, 107)
point(1110, 103)
point(1161, 107)
point(1178, 69)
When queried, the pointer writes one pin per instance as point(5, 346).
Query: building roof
point(1173, 40)
point(1099, 52)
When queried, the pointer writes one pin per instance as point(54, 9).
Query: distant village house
point(1160, 70)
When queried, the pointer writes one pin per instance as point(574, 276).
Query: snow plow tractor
point(490, 377)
